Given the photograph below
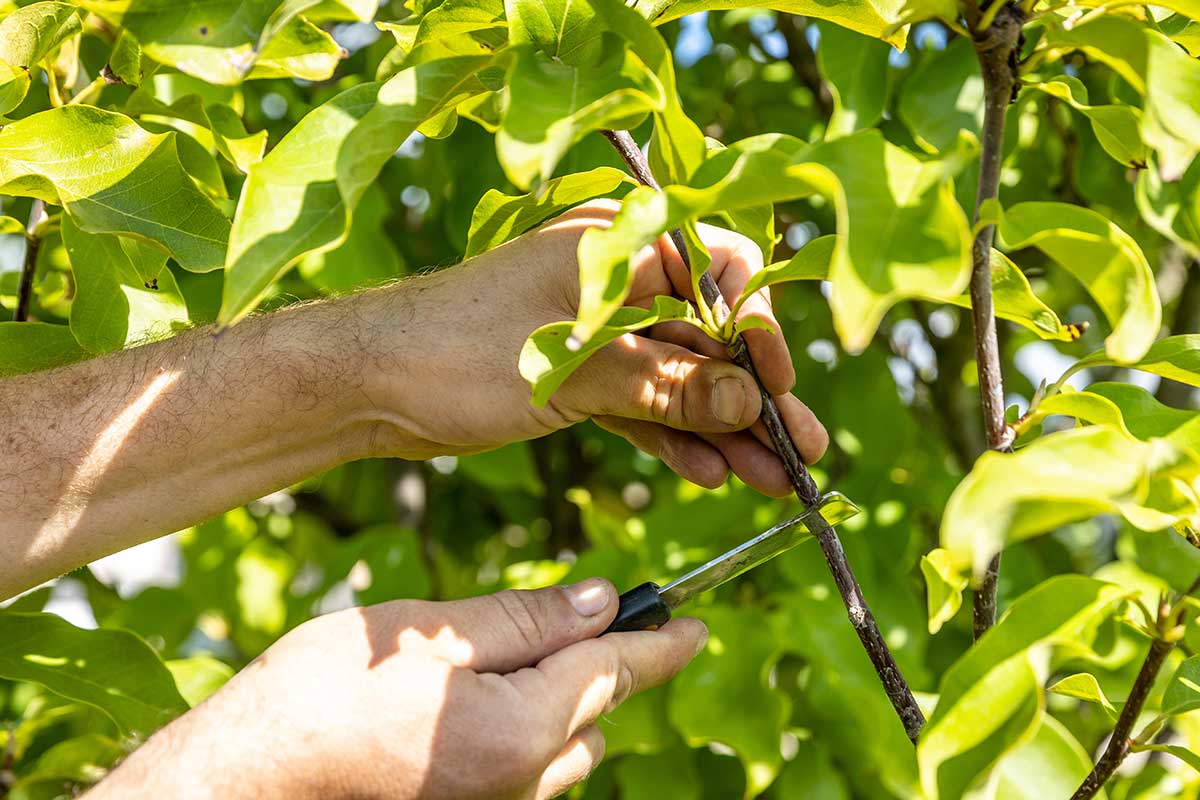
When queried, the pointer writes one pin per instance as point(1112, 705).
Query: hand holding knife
point(649, 605)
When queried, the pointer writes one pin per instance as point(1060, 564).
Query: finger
point(497, 632)
point(660, 382)
point(805, 430)
point(686, 455)
point(769, 348)
point(582, 754)
point(752, 461)
point(579, 683)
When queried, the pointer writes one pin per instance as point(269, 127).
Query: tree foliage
point(187, 163)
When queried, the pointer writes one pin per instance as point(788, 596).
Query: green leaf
point(368, 257)
point(11, 227)
point(1183, 690)
point(1104, 258)
point(1062, 478)
point(812, 775)
point(114, 671)
point(1012, 295)
point(1051, 764)
point(1084, 686)
point(1172, 207)
point(454, 28)
point(854, 67)
point(548, 357)
point(124, 295)
point(83, 759)
point(725, 694)
point(1115, 126)
point(943, 588)
point(125, 63)
point(298, 200)
point(565, 31)
point(641, 777)
point(33, 346)
point(299, 50)
point(990, 700)
point(942, 96)
point(1182, 753)
point(221, 41)
point(1155, 67)
point(27, 36)
point(903, 237)
point(1175, 357)
point(198, 677)
point(240, 148)
point(500, 217)
point(1128, 408)
point(113, 177)
point(871, 17)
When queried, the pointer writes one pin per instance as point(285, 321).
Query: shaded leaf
point(1182, 753)
point(33, 346)
point(240, 148)
point(1115, 126)
point(1051, 764)
point(1105, 259)
point(855, 67)
point(1172, 207)
point(942, 96)
point(114, 671)
point(1183, 690)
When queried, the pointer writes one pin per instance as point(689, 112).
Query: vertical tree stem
point(806, 489)
point(33, 242)
point(996, 49)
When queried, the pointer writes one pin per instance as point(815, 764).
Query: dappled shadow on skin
point(457, 733)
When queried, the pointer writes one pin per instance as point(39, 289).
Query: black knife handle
point(641, 608)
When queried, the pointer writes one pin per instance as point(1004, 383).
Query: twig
point(806, 489)
point(996, 48)
point(1119, 743)
point(33, 243)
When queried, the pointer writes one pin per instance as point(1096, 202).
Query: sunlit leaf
point(1066, 477)
point(990, 699)
point(943, 588)
point(1084, 686)
point(113, 177)
point(1183, 691)
point(1172, 207)
point(242, 149)
point(903, 237)
point(870, 17)
point(548, 359)
point(27, 36)
point(499, 217)
point(1105, 259)
point(198, 677)
point(114, 671)
point(1175, 357)
point(299, 199)
point(1050, 764)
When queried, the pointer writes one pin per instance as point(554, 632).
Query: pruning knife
point(650, 605)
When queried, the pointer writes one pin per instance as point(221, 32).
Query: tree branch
point(806, 489)
point(996, 49)
point(1119, 743)
point(33, 243)
point(804, 62)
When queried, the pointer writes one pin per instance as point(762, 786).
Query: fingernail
point(729, 400)
point(701, 644)
point(589, 597)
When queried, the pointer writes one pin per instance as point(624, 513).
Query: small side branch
point(996, 48)
point(33, 242)
point(806, 489)
point(1120, 742)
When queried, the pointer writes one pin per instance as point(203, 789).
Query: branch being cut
point(802, 482)
point(996, 48)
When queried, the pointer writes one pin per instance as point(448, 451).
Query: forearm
point(112, 452)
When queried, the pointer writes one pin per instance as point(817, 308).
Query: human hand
point(449, 367)
point(495, 697)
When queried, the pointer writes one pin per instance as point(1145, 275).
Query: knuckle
point(626, 683)
point(669, 388)
point(525, 613)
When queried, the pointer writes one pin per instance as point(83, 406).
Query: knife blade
point(650, 605)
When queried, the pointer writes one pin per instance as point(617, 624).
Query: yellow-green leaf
point(1083, 686)
point(1115, 126)
point(943, 588)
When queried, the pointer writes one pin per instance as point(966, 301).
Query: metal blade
point(835, 508)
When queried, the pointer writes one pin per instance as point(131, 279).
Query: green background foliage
point(201, 161)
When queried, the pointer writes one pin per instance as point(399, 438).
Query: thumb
point(662, 382)
point(512, 629)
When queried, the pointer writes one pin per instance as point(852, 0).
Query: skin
point(496, 696)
